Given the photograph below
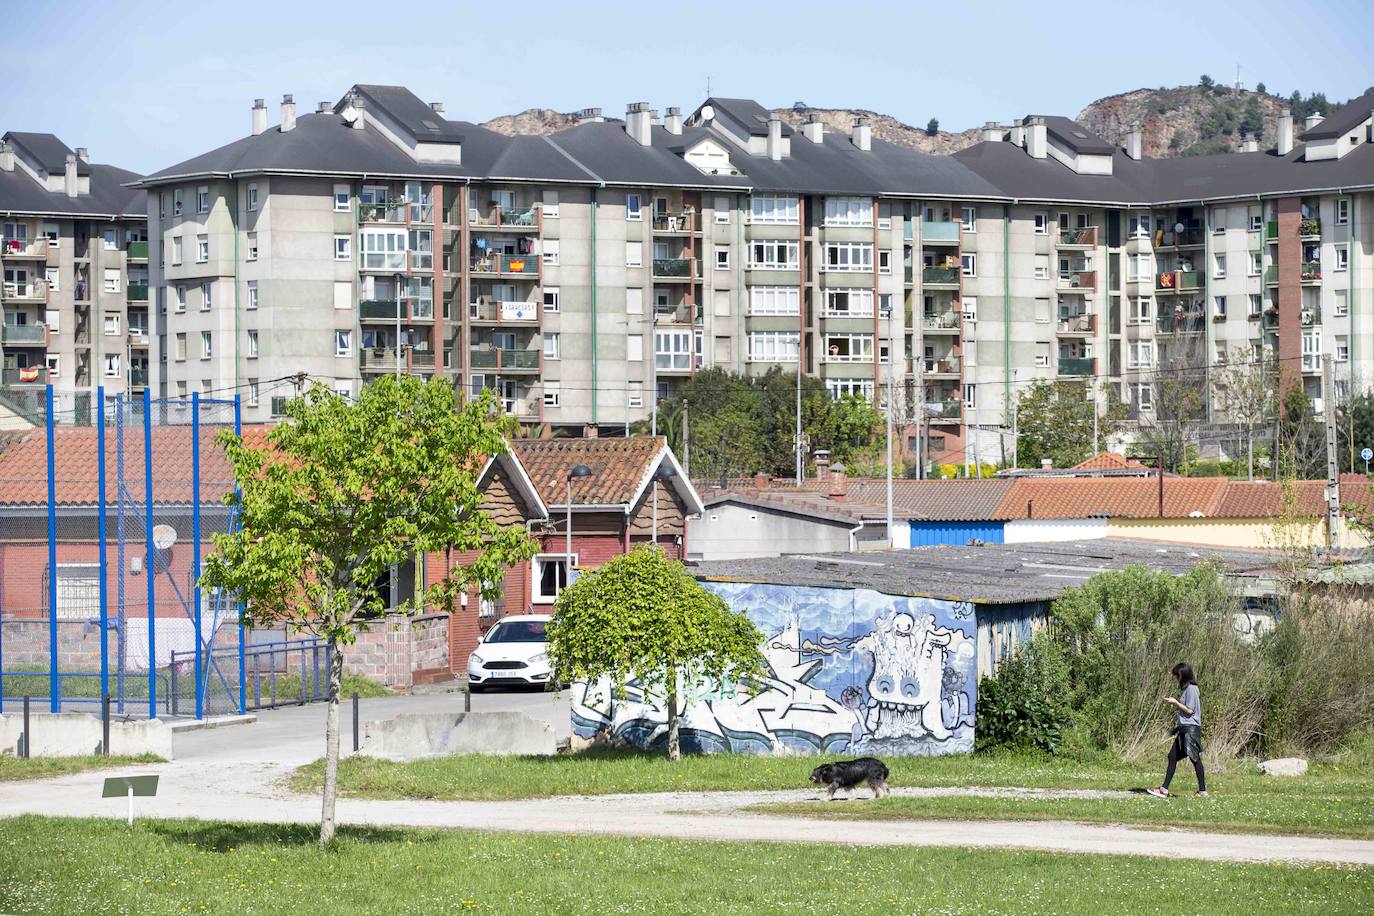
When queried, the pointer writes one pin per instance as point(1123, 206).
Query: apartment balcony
point(496, 218)
point(137, 292)
point(25, 292)
point(1311, 273)
point(12, 249)
point(1177, 281)
point(1271, 231)
point(837, 357)
point(487, 310)
point(383, 311)
point(1077, 324)
point(940, 277)
point(137, 251)
point(1185, 322)
point(24, 335)
point(947, 367)
point(674, 269)
point(940, 233)
point(680, 223)
point(1076, 365)
point(419, 359)
point(1078, 281)
point(523, 266)
point(34, 375)
point(1310, 230)
point(379, 359)
point(1271, 275)
point(908, 275)
point(950, 411)
point(682, 313)
point(1311, 317)
point(138, 378)
point(502, 360)
point(1078, 238)
point(389, 211)
point(944, 322)
point(138, 337)
point(1188, 238)
point(1271, 319)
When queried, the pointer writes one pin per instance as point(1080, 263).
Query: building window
point(112, 365)
point(52, 277)
point(252, 246)
point(343, 342)
point(1140, 310)
point(382, 249)
point(551, 303)
point(202, 249)
point(54, 362)
point(1342, 348)
point(1342, 211)
point(777, 209)
point(53, 234)
point(252, 392)
point(1342, 253)
point(774, 255)
point(180, 348)
point(1042, 224)
point(343, 198)
point(850, 387)
point(252, 345)
point(551, 341)
point(884, 262)
point(552, 394)
point(343, 250)
point(207, 300)
point(634, 348)
point(848, 211)
point(252, 197)
point(968, 264)
point(550, 252)
point(1218, 220)
point(1254, 299)
point(1219, 306)
point(549, 210)
point(550, 573)
point(1342, 303)
point(111, 276)
point(202, 199)
point(672, 349)
point(634, 300)
point(634, 254)
point(111, 325)
point(722, 211)
point(176, 202)
point(1219, 266)
point(252, 295)
point(176, 250)
point(849, 303)
point(1142, 354)
point(111, 239)
point(207, 344)
point(1256, 260)
point(178, 299)
point(1139, 268)
point(774, 346)
point(1042, 267)
point(774, 300)
point(968, 219)
point(1144, 396)
point(634, 207)
point(849, 256)
point(849, 348)
point(722, 258)
point(343, 294)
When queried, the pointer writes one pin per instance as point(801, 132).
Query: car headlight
point(475, 661)
point(540, 659)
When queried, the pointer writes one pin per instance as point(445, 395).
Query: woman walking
point(1188, 734)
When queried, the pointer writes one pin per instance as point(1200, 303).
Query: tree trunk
point(331, 743)
point(1250, 453)
point(674, 750)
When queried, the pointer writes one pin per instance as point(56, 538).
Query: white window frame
point(551, 297)
point(343, 198)
point(858, 303)
point(251, 243)
point(968, 219)
point(178, 299)
point(203, 199)
point(774, 210)
point(774, 346)
point(202, 248)
point(252, 296)
point(849, 211)
point(207, 296)
point(678, 352)
point(1342, 211)
point(553, 394)
point(178, 201)
point(722, 258)
point(968, 264)
point(1141, 310)
point(634, 207)
point(380, 249)
point(1041, 223)
point(537, 595)
point(548, 204)
point(849, 387)
point(549, 252)
point(771, 249)
point(111, 362)
point(110, 325)
point(774, 300)
point(634, 254)
point(1141, 354)
point(1341, 257)
point(1256, 264)
point(552, 344)
point(1144, 395)
point(860, 348)
point(251, 346)
point(110, 280)
point(1218, 266)
point(252, 197)
point(207, 344)
point(343, 341)
point(343, 247)
point(848, 257)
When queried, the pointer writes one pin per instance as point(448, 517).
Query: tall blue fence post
point(54, 681)
point(120, 406)
point(195, 545)
point(243, 666)
point(101, 520)
point(151, 568)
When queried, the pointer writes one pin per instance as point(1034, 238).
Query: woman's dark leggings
point(1176, 754)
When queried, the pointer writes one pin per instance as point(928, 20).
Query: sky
point(147, 84)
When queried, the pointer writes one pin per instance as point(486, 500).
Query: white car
point(512, 653)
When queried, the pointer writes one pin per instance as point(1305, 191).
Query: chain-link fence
point(104, 530)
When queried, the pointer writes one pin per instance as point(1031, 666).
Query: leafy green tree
point(341, 494)
point(1055, 420)
point(933, 126)
point(1244, 391)
point(1206, 82)
point(1302, 438)
point(1355, 420)
point(641, 615)
point(1259, 87)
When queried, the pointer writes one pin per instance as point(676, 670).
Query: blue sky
point(146, 84)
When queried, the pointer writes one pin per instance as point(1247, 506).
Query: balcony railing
point(1075, 365)
point(379, 358)
point(34, 375)
point(944, 411)
point(138, 292)
point(1271, 231)
point(499, 359)
point(946, 366)
point(673, 268)
point(1310, 230)
point(1188, 238)
point(941, 322)
point(507, 264)
point(674, 222)
point(383, 309)
point(138, 378)
point(420, 359)
point(1271, 275)
point(1084, 237)
point(1271, 320)
point(138, 337)
point(939, 231)
point(1311, 271)
point(1078, 324)
point(1078, 279)
point(388, 211)
point(940, 275)
point(909, 274)
point(508, 219)
point(488, 309)
point(137, 251)
point(36, 249)
point(1178, 280)
point(837, 357)
point(24, 334)
point(673, 314)
point(32, 291)
point(1311, 317)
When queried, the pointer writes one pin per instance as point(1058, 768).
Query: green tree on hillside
point(1055, 420)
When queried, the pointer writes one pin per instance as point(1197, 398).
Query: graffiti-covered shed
point(877, 652)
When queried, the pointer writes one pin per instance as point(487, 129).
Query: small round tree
point(641, 615)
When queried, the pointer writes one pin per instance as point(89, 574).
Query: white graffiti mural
point(848, 671)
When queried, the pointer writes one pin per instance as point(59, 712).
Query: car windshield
point(517, 631)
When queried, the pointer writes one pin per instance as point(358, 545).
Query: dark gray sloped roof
point(1191, 178)
point(1009, 168)
point(748, 117)
point(1075, 136)
point(538, 158)
point(1344, 119)
point(48, 151)
point(423, 122)
point(606, 151)
point(108, 196)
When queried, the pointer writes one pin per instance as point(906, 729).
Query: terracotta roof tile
point(1108, 461)
point(1265, 498)
point(1109, 497)
point(618, 467)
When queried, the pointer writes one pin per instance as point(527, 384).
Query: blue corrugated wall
point(935, 534)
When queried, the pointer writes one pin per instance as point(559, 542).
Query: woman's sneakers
point(1158, 792)
point(1201, 794)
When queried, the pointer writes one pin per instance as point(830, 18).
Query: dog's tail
point(885, 770)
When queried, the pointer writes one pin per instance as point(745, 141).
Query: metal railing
point(945, 410)
point(23, 248)
point(389, 211)
point(948, 365)
point(943, 321)
point(1078, 279)
point(1078, 324)
point(939, 231)
point(137, 250)
point(1310, 229)
point(930, 275)
point(288, 672)
point(498, 358)
point(674, 222)
point(673, 267)
point(1311, 271)
point(14, 291)
point(497, 218)
point(523, 264)
point(1075, 365)
point(27, 334)
point(33, 375)
point(1086, 236)
point(137, 292)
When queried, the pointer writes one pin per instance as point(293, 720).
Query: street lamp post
point(580, 470)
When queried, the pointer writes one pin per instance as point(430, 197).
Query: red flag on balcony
point(28, 374)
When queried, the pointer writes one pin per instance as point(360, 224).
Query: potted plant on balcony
point(1310, 227)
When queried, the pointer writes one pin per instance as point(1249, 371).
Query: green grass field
point(66, 866)
point(12, 768)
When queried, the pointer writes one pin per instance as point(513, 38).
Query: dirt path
point(244, 791)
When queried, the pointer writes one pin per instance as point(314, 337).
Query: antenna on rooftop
point(708, 85)
point(1238, 77)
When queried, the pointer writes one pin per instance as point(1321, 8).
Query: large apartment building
point(74, 252)
point(581, 274)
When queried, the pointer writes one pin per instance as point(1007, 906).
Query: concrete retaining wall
point(394, 648)
point(74, 734)
point(415, 735)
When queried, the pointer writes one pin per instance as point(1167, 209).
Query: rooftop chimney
point(992, 132)
point(638, 121)
point(1046, 464)
point(69, 177)
point(1037, 138)
point(774, 137)
point(6, 156)
point(822, 464)
point(672, 120)
point(862, 134)
point(259, 116)
point(1312, 120)
point(837, 482)
point(1135, 143)
point(437, 107)
point(1285, 142)
point(324, 108)
point(359, 107)
point(288, 113)
point(1248, 143)
point(1017, 134)
point(761, 481)
point(587, 115)
point(814, 129)
point(83, 154)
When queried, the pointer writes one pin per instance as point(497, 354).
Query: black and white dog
point(849, 774)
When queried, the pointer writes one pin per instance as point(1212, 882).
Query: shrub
point(1018, 706)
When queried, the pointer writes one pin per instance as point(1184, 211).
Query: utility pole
point(797, 445)
point(890, 363)
point(1333, 479)
point(1092, 399)
point(686, 444)
point(919, 392)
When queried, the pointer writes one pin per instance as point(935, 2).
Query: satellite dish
point(707, 112)
point(164, 536)
point(1179, 227)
